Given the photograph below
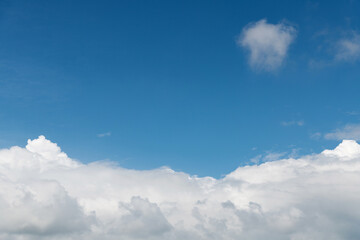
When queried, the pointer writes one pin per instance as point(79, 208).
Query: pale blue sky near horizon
point(166, 83)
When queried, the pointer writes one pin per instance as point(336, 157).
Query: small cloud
point(349, 131)
point(337, 49)
point(293, 123)
point(348, 49)
point(101, 135)
point(267, 43)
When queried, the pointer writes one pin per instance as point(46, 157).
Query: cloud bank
point(44, 194)
point(267, 43)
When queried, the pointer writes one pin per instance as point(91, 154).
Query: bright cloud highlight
point(267, 43)
point(44, 194)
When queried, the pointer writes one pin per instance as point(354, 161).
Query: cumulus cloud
point(44, 194)
point(349, 131)
point(348, 49)
point(267, 43)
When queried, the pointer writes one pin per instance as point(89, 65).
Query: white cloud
point(44, 194)
point(349, 131)
point(348, 49)
point(267, 43)
point(101, 135)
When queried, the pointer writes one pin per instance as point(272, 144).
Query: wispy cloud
point(353, 113)
point(267, 43)
point(349, 131)
point(267, 157)
point(293, 123)
point(348, 49)
point(336, 49)
point(316, 135)
point(106, 134)
point(270, 156)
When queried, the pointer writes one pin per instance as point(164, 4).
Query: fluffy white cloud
point(46, 195)
point(268, 43)
point(348, 49)
point(349, 131)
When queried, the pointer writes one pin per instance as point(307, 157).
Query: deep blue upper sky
point(169, 82)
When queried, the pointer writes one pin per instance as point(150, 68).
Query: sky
point(199, 86)
point(179, 120)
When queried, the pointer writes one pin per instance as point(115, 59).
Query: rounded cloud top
point(44, 194)
point(39, 155)
point(347, 149)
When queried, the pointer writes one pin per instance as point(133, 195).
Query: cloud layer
point(44, 194)
point(267, 43)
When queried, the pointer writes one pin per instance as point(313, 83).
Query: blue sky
point(154, 83)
